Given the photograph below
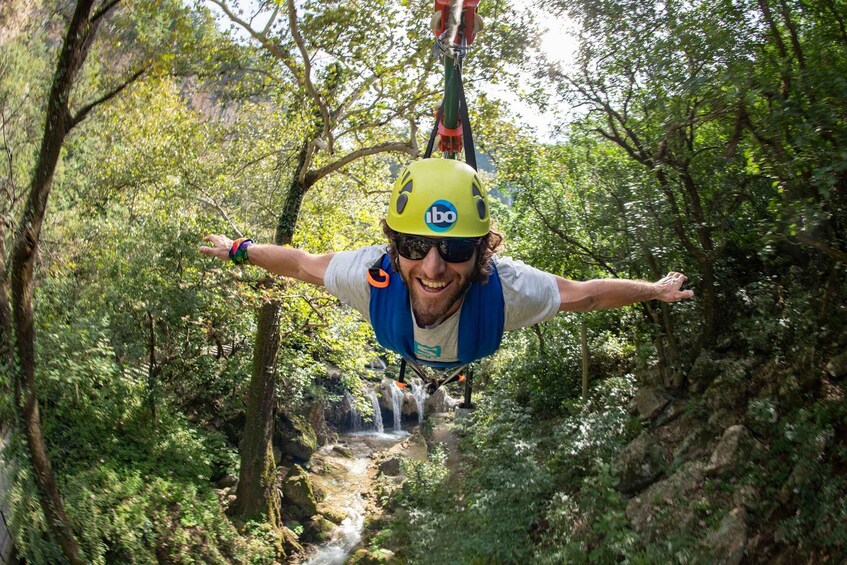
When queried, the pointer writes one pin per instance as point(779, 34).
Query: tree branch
point(82, 112)
point(212, 204)
point(396, 147)
point(307, 74)
point(104, 9)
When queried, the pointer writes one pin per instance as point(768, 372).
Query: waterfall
point(357, 423)
point(419, 392)
point(397, 406)
point(377, 417)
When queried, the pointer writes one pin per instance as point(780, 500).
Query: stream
point(345, 481)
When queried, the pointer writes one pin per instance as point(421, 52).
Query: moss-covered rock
point(378, 557)
point(296, 437)
point(298, 497)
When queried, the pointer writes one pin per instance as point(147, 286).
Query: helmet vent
point(402, 200)
point(481, 209)
point(476, 187)
point(403, 197)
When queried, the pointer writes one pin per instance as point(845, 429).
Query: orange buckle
point(377, 278)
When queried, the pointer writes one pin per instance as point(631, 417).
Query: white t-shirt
point(530, 296)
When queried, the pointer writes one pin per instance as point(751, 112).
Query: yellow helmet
point(439, 197)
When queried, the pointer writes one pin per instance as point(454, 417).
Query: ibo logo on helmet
point(441, 216)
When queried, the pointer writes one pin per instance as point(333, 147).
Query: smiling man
point(438, 293)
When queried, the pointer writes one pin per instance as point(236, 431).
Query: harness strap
point(464, 121)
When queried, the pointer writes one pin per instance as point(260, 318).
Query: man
point(438, 294)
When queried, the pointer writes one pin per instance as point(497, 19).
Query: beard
point(431, 310)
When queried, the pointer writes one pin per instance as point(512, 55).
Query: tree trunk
point(583, 345)
point(256, 493)
point(20, 347)
point(57, 125)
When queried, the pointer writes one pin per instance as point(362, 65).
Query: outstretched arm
point(602, 294)
point(285, 261)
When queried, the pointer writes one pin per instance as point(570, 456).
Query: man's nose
point(432, 264)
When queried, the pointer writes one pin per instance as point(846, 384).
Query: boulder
point(704, 370)
point(228, 481)
point(390, 467)
point(666, 505)
point(649, 403)
point(334, 515)
point(639, 463)
point(318, 529)
point(733, 450)
point(727, 544)
point(837, 366)
point(729, 390)
point(440, 402)
point(298, 497)
point(746, 496)
point(696, 445)
point(378, 557)
point(342, 451)
point(388, 390)
point(296, 437)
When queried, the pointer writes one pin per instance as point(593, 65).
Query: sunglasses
point(451, 249)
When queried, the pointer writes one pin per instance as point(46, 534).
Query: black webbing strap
point(467, 134)
point(470, 153)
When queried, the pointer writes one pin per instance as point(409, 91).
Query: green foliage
point(804, 478)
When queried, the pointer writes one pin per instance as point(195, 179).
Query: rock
point(734, 449)
point(334, 515)
point(390, 467)
point(704, 370)
point(228, 481)
point(746, 496)
point(761, 416)
point(695, 445)
point(298, 497)
point(722, 419)
point(378, 557)
point(296, 436)
point(727, 544)
point(666, 506)
point(387, 390)
point(639, 464)
point(343, 451)
point(440, 402)
point(837, 366)
point(731, 387)
point(290, 542)
point(649, 402)
point(318, 529)
point(802, 474)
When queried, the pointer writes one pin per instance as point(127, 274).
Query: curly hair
point(489, 244)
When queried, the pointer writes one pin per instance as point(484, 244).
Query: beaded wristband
point(238, 251)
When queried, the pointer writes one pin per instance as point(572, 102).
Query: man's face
point(436, 287)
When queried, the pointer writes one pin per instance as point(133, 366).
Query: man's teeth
point(433, 284)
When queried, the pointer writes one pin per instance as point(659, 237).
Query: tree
point(17, 335)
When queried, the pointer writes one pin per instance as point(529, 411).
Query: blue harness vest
point(480, 322)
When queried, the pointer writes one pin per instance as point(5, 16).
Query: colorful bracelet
point(238, 251)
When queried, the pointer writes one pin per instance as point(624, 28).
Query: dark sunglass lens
point(457, 250)
point(413, 247)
